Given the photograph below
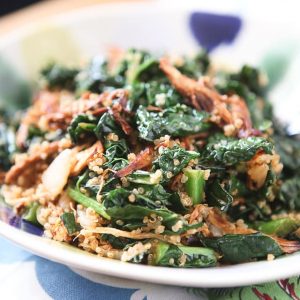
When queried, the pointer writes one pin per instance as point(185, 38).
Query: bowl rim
point(225, 276)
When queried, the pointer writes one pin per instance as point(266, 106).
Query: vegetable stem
point(88, 202)
point(194, 185)
point(280, 227)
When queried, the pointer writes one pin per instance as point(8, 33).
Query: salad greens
point(159, 161)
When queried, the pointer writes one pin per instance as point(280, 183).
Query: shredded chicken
point(143, 160)
point(116, 112)
point(84, 156)
point(225, 109)
point(287, 246)
point(218, 223)
point(45, 103)
point(28, 161)
point(54, 110)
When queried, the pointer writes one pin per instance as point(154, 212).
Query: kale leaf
point(176, 121)
point(106, 125)
point(217, 195)
point(69, 221)
point(96, 78)
point(237, 248)
point(151, 196)
point(116, 151)
point(246, 83)
point(81, 127)
point(117, 242)
point(230, 151)
point(195, 66)
point(171, 161)
point(59, 77)
point(153, 93)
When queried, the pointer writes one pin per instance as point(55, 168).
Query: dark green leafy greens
point(171, 161)
point(161, 197)
point(176, 121)
point(183, 256)
point(237, 248)
point(231, 151)
point(218, 196)
point(81, 127)
point(69, 221)
point(59, 77)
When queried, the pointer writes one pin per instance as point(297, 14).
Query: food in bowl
point(161, 161)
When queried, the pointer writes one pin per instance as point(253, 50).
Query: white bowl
point(74, 37)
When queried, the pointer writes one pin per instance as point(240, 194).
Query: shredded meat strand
point(48, 110)
point(225, 110)
point(19, 168)
point(287, 246)
point(84, 156)
point(143, 160)
point(45, 103)
point(116, 112)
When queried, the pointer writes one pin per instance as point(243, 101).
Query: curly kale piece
point(96, 78)
point(167, 158)
point(106, 125)
point(250, 77)
point(154, 201)
point(218, 196)
point(152, 197)
point(115, 152)
point(139, 66)
point(176, 121)
point(117, 242)
point(69, 222)
point(59, 77)
point(133, 216)
point(170, 255)
point(230, 151)
point(81, 127)
point(155, 93)
point(237, 248)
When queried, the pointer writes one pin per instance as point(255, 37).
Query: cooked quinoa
point(155, 161)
